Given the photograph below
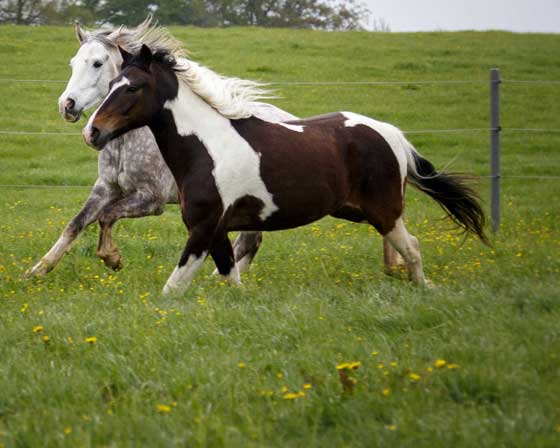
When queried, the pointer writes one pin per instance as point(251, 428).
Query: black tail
point(452, 193)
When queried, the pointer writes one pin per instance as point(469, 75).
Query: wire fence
point(491, 130)
point(334, 83)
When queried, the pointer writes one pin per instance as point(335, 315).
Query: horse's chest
point(109, 164)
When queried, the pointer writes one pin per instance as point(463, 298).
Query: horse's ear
point(115, 34)
point(80, 33)
point(126, 56)
point(146, 56)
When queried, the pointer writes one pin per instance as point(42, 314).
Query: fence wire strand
point(30, 186)
point(412, 131)
point(317, 83)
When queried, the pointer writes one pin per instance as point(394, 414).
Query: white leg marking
point(182, 276)
point(233, 276)
point(244, 264)
point(407, 246)
point(52, 257)
point(392, 259)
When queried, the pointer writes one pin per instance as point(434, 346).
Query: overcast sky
point(514, 15)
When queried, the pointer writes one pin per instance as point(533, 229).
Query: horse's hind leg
point(136, 205)
point(100, 196)
point(391, 258)
point(407, 245)
point(245, 248)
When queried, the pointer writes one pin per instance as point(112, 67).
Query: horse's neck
point(192, 115)
point(191, 118)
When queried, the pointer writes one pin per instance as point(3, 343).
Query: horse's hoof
point(113, 262)
point(395, 270)
point(172, 292)
point(429, 284)
point(40, 269)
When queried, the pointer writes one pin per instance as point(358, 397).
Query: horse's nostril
point(94, 134)
point(69, 104)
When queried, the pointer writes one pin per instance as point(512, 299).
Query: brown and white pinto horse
point(237, 172)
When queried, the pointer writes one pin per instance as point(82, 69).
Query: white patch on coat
point(270, 113)
point(87, 129)
point(236, 164)
point(292, 127)
point(182, 276)
point(392, 135)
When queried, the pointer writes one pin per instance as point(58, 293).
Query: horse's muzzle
point(95, 138)
point(68, 110)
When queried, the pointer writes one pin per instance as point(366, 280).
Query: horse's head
point(94, 65)
point(138, 94)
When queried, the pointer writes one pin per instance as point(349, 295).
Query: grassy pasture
point(226, 367)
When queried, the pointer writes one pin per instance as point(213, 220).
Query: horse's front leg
point(138, 204)
point(222, 254)
point(101, 195)
point(202, 235)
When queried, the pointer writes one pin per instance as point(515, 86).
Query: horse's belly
point(295, 208)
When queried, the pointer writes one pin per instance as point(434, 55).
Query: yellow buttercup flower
point(37, 329)
point(440, 363)
point(163, 408)
point(349, 365)
point(293, 395)
point(91, 340)
point(414, 376)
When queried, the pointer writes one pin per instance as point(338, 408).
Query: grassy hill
point(216, 367)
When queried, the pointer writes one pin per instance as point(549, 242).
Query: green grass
point(316, 296)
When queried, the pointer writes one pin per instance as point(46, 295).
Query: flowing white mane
point(231, 97)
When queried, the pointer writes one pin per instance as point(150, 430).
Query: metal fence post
point(495, 147)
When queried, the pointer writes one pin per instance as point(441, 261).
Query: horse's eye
point(97, 64)
point(133, 89)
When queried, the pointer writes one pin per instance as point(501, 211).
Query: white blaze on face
point(236, 164)
point(88, 83)
point(87, 129)
point(392, 135)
